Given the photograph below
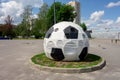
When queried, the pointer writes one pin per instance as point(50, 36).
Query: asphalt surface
point(15, 61)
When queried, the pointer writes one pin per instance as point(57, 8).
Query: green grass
point(91, 60)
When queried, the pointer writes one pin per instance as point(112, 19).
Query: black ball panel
point(57, 54)
point(84, 53)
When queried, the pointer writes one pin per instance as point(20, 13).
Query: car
point(5, 38)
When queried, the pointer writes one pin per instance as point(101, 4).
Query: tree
point(9, 20)
point(26, 21)
point(41, 25)
point(66, 13)
point(20, 30)
point(84, 27)
point(42, 17)
point(43, 11)
point(36, 29)
point(63, 13)
point(9, 27)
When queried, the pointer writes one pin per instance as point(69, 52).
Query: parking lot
point(15, 61)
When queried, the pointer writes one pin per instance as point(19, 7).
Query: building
point(76, 6)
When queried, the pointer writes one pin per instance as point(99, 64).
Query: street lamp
point(118, 35)
point(54, 13)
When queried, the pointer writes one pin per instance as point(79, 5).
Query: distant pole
point(118, 35)
point(54, 13)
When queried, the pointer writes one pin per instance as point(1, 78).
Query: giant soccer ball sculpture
point(66, 41)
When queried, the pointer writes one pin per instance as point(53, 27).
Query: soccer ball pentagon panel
point(66, 41)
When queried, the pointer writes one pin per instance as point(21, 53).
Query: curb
point(70, 70)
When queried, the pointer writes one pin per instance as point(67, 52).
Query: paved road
point(15, 56)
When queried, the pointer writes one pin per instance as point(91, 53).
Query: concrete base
point(70, 70)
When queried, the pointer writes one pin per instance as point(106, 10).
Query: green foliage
point(40, 24)
point(43, 17)
point(25, 25)
point(20, 30)
point(27, 13)
point(36, 29)
point(63, 13)
point(44, 21)
point(50, 14)
point(84, 27)
point(43, 11)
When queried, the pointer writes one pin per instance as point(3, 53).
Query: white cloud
point(9, 8)
point(15, 8)
point(100, 24)
point(95, 16)
point(35, 16)
point(113, 4)
point(88, 22)
point(1, 13)
point(107, 22)
point(34, 3)
point(118, 20)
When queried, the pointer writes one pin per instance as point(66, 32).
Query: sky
point(99, 15)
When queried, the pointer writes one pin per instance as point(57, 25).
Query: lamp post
point(54, 13)
point(118, 35)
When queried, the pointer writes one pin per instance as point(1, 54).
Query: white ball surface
point(66, 41)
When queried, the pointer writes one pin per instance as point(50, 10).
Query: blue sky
point(97, 14)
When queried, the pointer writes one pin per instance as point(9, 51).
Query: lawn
point(90, 60)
